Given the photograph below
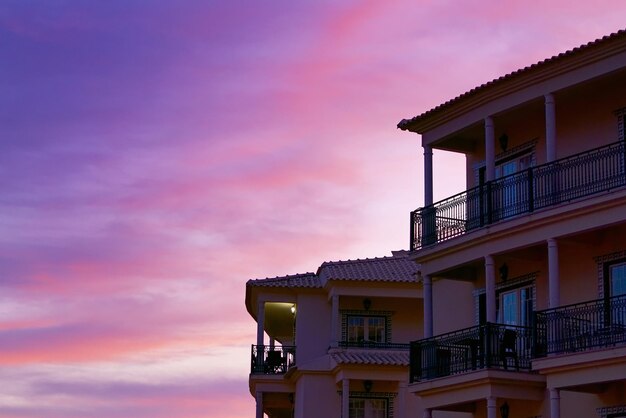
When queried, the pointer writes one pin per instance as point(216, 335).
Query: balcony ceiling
point(279, 320)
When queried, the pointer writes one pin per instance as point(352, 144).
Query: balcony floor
point(445, 392)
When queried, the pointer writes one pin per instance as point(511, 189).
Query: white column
point(550, 128)
point(492, 407)
point(260, 323)
point(334, 325)
point(345, 398)
point(490, 149)
point(428, 305)
point(400, 411)
point(555, 403)
point(259, 404)
point(490, 288)
point(428, 175)
point(427, 413)
point(553, 274)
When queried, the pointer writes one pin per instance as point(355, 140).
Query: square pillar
point(490, 150)
point(428, 175)
point(427, 285)
point(553, 274)
point(550, 127)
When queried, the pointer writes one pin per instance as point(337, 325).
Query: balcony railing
point(267, 359)
point(580, 327)
point(590, 172)
point(486, 346)
point(374, 345)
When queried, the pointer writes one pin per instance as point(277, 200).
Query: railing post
point(489, 204)
point(534, 340)
point(481, 203)
point(623, 145)
point(412, 240)
point(488, 335)
point(415, 362)
point(531, 190)
point(429, 225)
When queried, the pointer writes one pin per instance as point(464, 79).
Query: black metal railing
point(594, 171)
point(486, 346)
point(581, 326)
point(373, 344)
point(266, 359)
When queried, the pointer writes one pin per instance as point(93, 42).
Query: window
point(614, 286)
point(516, 306)
point(513, 190)
point(509, 194)
point(363, 328)
point(368, 407)
point(515, 301)
point(617, 277)
point(513, 165)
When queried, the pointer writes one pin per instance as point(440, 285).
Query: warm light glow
point(293, 309)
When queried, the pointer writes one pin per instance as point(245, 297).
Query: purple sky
point(155, 155)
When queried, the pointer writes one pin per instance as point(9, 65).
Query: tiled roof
point(381, 357)
point(296, 280)
point(385, 269)
point(404, 123)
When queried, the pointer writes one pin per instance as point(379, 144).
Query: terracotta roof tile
point(385, 269)
point(309, 280)
point(404, 123)
point(371, 357)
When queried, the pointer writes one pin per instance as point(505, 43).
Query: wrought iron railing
point(594, 171)
point(486, 346)
point(266, 359)
point(373, 344)
point(581, 326)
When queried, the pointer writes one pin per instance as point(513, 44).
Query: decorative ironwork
point(372, 344)
point(581, 326)
point(488, 346)
point(594, 171)
point(267, 359)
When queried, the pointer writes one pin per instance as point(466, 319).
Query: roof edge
point(556, 65)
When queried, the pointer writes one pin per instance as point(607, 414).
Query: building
point(518, 309)
point(336, 342)
point(536, 243)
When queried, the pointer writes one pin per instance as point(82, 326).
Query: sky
point(156, 155)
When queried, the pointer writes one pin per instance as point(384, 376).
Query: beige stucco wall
point(453, 305)
point(585, 116)
point(316, 396)
point(312, 327)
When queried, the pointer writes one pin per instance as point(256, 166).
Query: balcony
point(591, 172)
point(581, 327)
point(489, 346)
point(272, 360)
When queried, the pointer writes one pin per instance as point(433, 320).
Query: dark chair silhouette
point(274, 362)
point(508, 348)
point(444, 360)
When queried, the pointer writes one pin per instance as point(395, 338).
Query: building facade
point(538, 240)
point(336, 342)
point(511, 301)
